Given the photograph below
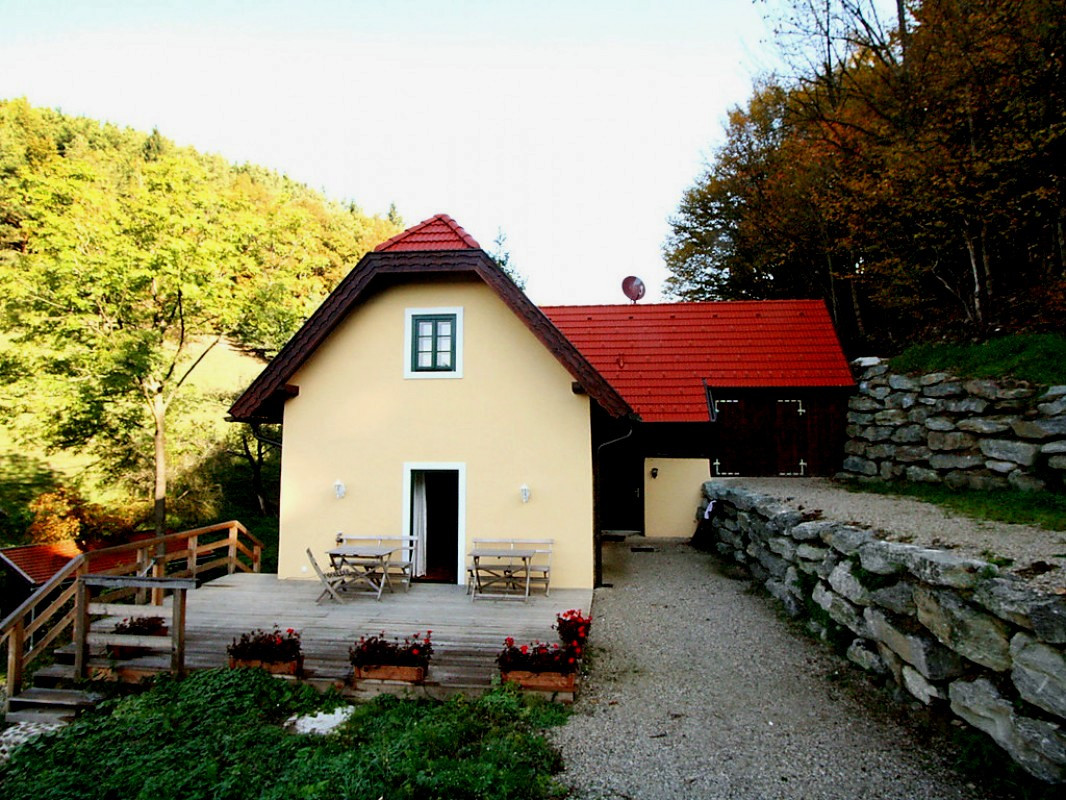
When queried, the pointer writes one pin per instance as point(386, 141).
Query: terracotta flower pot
point(390, 672)
point(541, 681)
point(291, 667)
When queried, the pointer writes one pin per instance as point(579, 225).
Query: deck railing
point(51, 611)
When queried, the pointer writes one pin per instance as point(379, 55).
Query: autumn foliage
point(910, 173)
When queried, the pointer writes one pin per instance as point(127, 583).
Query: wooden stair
point(52, 706)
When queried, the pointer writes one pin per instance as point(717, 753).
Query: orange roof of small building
point(439, 232)
point(39, 562)
point(657, 356)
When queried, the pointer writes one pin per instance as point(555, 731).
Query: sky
point(571, 127)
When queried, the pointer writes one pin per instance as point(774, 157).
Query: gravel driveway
point(699, 689)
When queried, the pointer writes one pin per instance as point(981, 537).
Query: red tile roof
point(436, 233)
point(658, 355)
point(39, 562)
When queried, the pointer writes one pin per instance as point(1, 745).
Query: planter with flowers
point(539, 666)
point(378, 658)
point(136, 626)
point(573, 627)
point(276, 652)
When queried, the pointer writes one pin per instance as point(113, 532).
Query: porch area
point(466, 635)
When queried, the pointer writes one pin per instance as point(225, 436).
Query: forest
point(909, 171)
point(144, 284)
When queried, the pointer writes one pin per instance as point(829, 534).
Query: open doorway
point(435, 518)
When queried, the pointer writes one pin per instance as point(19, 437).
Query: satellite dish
point(633, 288)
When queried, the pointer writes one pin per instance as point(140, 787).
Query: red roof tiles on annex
point(658, 355)
point(439, 232)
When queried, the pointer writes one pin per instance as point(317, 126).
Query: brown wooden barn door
point(791, 444)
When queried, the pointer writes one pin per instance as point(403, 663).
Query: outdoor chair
point(331, 581)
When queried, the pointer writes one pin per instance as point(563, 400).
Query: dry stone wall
point(934, 428)
point(948, 630)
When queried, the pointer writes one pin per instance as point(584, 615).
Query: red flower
point(509, 641)
point(414, 651)
point(524, 648)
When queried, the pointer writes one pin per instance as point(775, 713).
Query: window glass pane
point(444, 343)
point(425, 345)
point(444, 359)
point(444, 328)
point(425, 360)
point(425, 328)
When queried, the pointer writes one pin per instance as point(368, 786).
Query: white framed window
point(433, 342)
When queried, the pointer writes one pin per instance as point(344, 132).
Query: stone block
point(809, 552)
point(779, 590)
point(840, 610)
point(950, 440)
point(1053, 392)
point(939, 424)
point(864, 403)
point(982, 388)
point(1024, 482)
point(919, 414)
point(917, 685)
point(853, 431)
point(912, 454)
point(1053, 409)
point(967, 405)
point(844, 583)
point(890, 416)
point(1022, 453)
point(864, 654)
point(860, 418)
point(897, 598)
point(903, 383)
point(920, 475)
point(955, 461)
point(1040, 429)
point(1002, 467)
point(931, 378)
point(878, 391)
point(983, 426)
point(855, 447)
point(884, 558)
point(811, 530)
point(876, 433)
point(941, 568)
point(872, 366)
point(1038, 746)
point(909, 434)
point(862, 466)
point(945, 389)
point(845, 539)
point(935, 661)
point(1039, 673)
point(901, 400)
point(971, 633)
point(1014, 601)
point(893, 663)
point(783, 547)
point(878, 452)
point(1057, 462)
point(1053, 449)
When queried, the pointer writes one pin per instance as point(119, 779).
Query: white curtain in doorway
point(418, 520)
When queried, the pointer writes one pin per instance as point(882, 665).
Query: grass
point(1036, 357)
point(1040, 509)
point(218, 734)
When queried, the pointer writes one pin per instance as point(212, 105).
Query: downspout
point(597, 576)
point(260, 438)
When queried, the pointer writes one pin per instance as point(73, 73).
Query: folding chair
point(331, 581)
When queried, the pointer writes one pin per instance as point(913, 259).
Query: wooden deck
point(466, 635)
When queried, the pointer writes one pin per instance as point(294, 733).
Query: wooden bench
point(540, 565)
point(401, 564)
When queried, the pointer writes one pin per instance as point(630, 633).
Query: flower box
point(291, 667)
point(541, 681)
point(389, 672)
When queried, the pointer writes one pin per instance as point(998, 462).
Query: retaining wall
point(949, 630)
point(934, 428)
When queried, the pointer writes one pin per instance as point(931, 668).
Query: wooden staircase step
point(42, 716)
point(53, 675)
point(36, 697)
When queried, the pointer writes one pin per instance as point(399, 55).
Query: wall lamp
point(524, 492)
point(655, 472)
point(339, 489)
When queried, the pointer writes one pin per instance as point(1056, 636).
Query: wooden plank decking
point(466, 635)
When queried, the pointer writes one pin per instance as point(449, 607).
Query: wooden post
point(191, 543)
point(16, 643)
point(232, 549)
point(177, 632)
point(81, 627)
point(142, 569)
point(257, 557)
point(159, 570)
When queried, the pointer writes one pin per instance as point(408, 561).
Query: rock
point(808, 531)
point(1052, 409)
point(909, 434)
point(1040, 429)
point(919, 414)
point(1039, 673)
point(1002, 467)
point(860, 418)
point(840, 610)
point(920, 475)
point(877, 452)
point(985, 427)
point(1009, 450)
point(931, 378)
point(954, 461)
point(862, 653)
point(779, 589)
point(846, 538)
point(862, 466)
point(783, 547)
point(876, 433)
point(902, 400)
point(1053, 392)
point(912, 454)
point(903, 383)
point(949, 440)
point(893, 662)
point(941, 568)
point(897, 598)
point(973, 634)
point(847, 585)
point(920, 650)
point(939, 424)
point(808, 552)
point(863, 403)
point(917, 685)
point(982, 388)
point(1057, 462)
point(1038, 746)
point(1053, 449)
point(1026, 483)
point(1014, 601)
point(946, 389)
point(884, 558)
point(967, 405)
point(890, 416)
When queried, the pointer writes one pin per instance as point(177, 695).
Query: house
point(428, 396)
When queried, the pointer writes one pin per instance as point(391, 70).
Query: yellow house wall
point(512, 419)
point(673, 496)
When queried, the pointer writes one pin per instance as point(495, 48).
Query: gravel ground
point(699, 689)
point(928, 525)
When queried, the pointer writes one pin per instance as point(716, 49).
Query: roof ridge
point(444, 220)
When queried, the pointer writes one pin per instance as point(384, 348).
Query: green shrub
point(1036, 357)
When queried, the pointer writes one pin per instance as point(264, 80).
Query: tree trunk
point(159, 414)
point(859, 326)
point(978, 280)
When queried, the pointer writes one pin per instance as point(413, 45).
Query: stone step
point(41, 716)
point(38, 697)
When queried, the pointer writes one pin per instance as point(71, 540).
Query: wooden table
point(368, 565)
point(492, 566)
